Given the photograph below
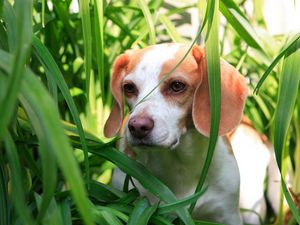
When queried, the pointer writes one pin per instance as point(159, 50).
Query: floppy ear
point(233, 96)
point(114, 121)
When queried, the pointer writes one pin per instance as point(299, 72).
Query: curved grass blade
point(159, 220)
point(149, 20)
point(103, 192)
point(213, 71)
point(240, 24)
point(48, 160)
point(116, 212)
point(147, 214)
point(23, 34)
point(288, 90)
point(49, 174)
point(18, 193)
point(171, 207)
point(35, 98)
point(233, 5)
point(140, 173)
point(105, 217)
point(138, 211)
point(179, 63)
point(32, 95)
point(54, 72)
point(282, 53)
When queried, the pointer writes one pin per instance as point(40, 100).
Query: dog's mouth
point(153, 144)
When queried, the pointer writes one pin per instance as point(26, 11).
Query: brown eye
point(177, 86)
point(129, 88)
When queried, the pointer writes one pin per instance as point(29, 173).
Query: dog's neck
point(180, 168)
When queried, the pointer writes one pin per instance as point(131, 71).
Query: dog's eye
point(177, 86)
point(129, 88)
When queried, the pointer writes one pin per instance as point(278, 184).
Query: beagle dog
point(169, 125)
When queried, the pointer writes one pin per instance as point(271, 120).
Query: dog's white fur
point(175, 154)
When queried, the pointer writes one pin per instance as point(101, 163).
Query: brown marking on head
point(136, 56)
point(233, 96)
point(123, 65)
point(187, 73)
point(114, 121)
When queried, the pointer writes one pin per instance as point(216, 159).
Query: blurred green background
point(55, 64)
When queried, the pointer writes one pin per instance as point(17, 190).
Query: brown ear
point(233, 96)
point(114, 121)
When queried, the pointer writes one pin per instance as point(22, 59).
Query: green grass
point(55, 68)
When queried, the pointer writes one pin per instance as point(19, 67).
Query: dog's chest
point(180, 168)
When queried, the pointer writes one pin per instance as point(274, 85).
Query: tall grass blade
point(282, 53)
point(9, 17)
point(24, 33)
point(104, 217)
point(99, 34)
point(18, 190)
point(288, 91)
point(53, 72)
point(240, 24)
point(48, 161)
point(35, 98)
point(149, 20)
point(213, 71)
point(87, 40)
point(40, 106)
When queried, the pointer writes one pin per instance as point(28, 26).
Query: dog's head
point(180, 102)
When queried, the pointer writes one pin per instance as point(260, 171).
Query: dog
point(168, 131)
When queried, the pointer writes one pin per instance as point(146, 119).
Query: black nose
point(140, 126)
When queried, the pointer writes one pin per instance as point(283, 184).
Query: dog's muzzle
point(140, 126)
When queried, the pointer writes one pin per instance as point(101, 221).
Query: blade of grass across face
point(204, 23)
point(23, 29)
point(286, 48)
point(149, 20)
point(213, 72)
point(54, 72)
point(288, 90)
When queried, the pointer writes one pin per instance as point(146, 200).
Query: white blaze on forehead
point(146, 73)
